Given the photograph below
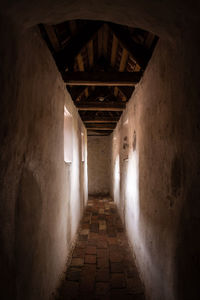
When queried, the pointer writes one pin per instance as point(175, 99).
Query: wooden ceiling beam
point(140, 54)
point(85, 91)
point(104, 131)
point(95, 106)
point(103, 134)
point(76, 92)
point(114, 50)
point(123, 61)
point(80, 62)
point(81, 67)
point(52, 36)
point(105, 39)
point(65, 57)
point(101, 126)
point(121, 89)
point(102, 78)
point(100, 121)
point(98, 133)
point(100, 42)
point(100, 129)
point(73, 27)
point(90, 53)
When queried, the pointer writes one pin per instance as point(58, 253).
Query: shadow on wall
point(187, 256)
point(27, 221)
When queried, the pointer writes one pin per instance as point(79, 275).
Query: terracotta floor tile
point(79, 252)
point(102, 253)
point(90, 259)
point(117, 267)
point(102, 267)
point(77, 262)
point(102, 263)
point(73, 275)
point(103, 275)
point(102, 244)
point(102, 288)
point(91, 250)
point(118, 280)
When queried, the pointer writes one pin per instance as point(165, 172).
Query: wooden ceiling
point(100, 63)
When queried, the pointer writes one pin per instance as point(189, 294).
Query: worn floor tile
point(102, 266)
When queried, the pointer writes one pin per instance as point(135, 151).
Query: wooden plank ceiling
point(100, 63)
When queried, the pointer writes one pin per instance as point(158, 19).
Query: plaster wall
point(165, 217)
point(98, 165)
point(154, 177)
point(42, 197)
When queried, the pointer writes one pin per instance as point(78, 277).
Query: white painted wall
point(98, 165)
point(42, 197)
point(149, 187)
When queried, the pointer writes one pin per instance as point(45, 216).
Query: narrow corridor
point(101, 266)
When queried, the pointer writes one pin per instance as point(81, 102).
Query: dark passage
point(101, 266)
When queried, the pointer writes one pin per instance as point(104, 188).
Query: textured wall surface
point(42, 197)
point(154, 177)
point(98, 165)
point(160, 197)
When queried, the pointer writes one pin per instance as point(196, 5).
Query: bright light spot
point(66, 113)
point(125, 122)
point(117, 181)
point(132, 197)
point(68, 136)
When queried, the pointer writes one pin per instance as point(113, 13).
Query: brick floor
point(101, 266)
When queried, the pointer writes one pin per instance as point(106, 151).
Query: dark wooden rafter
point(95, 106)
point(85, 91)
point(114, 50)
point(65, 57)
point(101, 63)
point(104, 64)
point(47, 39)
point(52, 37)
point(101, 129)
point(100, 116)
point(105, 39)
point(100, 132)
point(100, 125)
point(108, 120)
point(73, 27)
point(126, 91)
point(102, 94)
point(102, 78)
point(77, 92)
point(80, 63)
point(122, 67)
point(90, 53)
point(140, 54)
point(79, 58)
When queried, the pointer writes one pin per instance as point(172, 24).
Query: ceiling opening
point(100, 62)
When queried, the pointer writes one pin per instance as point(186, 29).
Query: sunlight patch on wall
point(75, 184)
point(117, 181)
point(132, 208)
point(68, 136)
